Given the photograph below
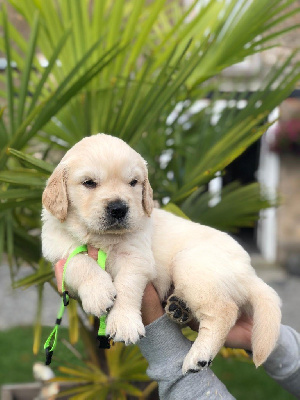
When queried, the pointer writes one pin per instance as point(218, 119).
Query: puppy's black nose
point(117, 209)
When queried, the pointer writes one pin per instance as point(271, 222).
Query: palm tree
point(134, 70)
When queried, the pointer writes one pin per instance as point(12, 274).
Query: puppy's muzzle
point(117, 211)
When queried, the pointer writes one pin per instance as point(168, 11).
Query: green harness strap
point(104, 340)
point(51, 342)
point(101, 261)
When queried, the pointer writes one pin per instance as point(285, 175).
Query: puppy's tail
point(266, 319)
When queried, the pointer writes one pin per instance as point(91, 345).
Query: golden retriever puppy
point(100, 195)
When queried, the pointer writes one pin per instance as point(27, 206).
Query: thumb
point(59, 269)
point(93, 252)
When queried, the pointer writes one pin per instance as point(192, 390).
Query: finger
point(240, 334)
point(151, 305)
point(59, 269)
point(93, 252)
point(245, 320)
point(194, 325)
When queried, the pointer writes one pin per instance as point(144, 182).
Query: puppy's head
point(102, 183)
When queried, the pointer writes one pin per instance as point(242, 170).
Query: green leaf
point(128, 388)
point(60, 98)
point(9, 237)
point(174, 209)
point(31, 161)
point(16, 194)
point(19, 133)
point(86, 390)
point(9, 72)
point(53, 60)
point(154, 10)
point(73, 321)
point(12, 204)
point(239, 206)
point(37, 330)
point(23, 90)
point(23, 178)
point(34, 279)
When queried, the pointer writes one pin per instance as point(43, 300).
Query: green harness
point(50, 344)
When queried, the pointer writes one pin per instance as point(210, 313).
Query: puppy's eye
point(133, 182)
point(90, 184)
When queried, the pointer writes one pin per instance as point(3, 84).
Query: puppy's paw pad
point(193, 363)
point(177, 310)
point(200, 365)
point(203, 364)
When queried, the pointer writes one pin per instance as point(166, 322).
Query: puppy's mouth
point(115, 226)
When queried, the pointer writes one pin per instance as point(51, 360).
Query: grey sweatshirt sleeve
point(165, 348)
point(283, 365)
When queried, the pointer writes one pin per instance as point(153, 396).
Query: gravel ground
point(18, 306)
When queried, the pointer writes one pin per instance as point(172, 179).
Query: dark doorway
point(244, 169)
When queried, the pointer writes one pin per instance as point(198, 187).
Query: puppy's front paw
point(124, 326)
point(97, 295)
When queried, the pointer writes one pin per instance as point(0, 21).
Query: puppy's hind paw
point(200, 365)
point(192, 363)
point(178, 311)
point(203, 364)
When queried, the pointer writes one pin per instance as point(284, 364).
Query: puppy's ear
point(147, 196)
point(55, 196)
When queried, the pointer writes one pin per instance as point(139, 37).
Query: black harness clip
point(49, 354)
point(104, 342)
point(65, 298)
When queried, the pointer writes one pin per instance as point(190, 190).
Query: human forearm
point(283, 365)
point(165, 348)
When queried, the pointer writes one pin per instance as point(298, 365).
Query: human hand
point(58, 270)
point(240, 335)
point(151, 305)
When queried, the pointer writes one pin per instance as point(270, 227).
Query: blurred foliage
point(135, 70)
point(242, 379)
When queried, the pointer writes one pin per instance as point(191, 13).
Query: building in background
point(276, 237)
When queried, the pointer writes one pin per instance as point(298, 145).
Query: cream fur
point(210, 271)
